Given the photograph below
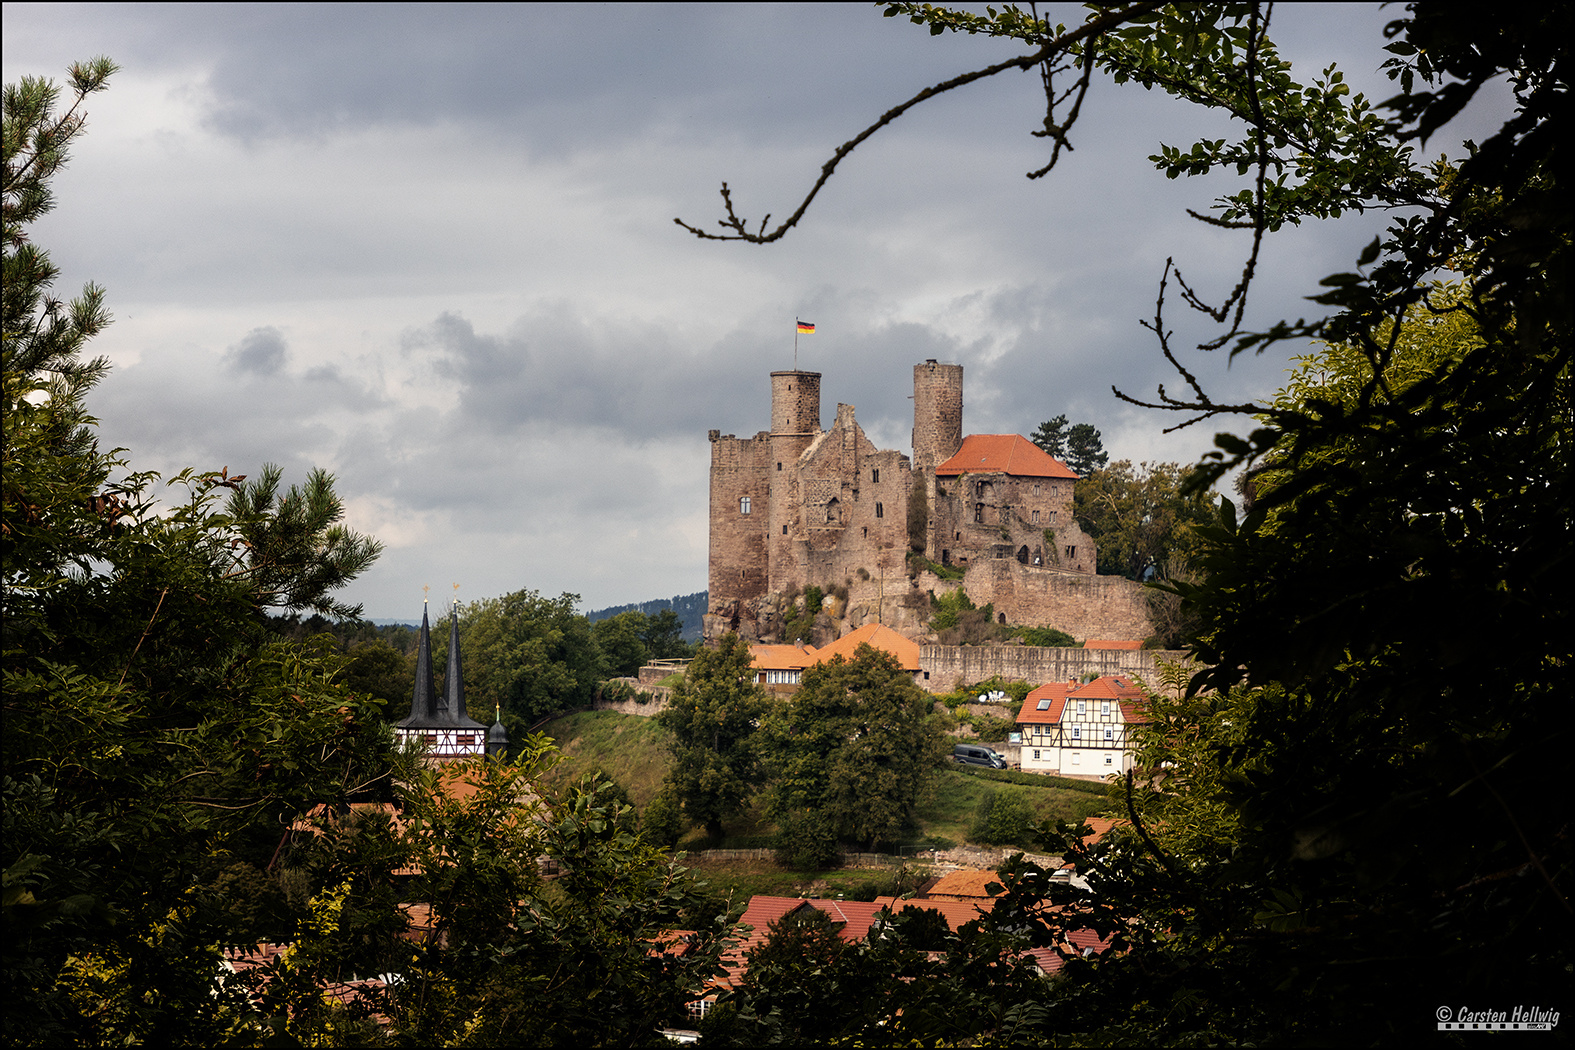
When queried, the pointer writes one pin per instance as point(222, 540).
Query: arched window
point(1022, 555)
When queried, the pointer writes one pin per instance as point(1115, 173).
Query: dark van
point(974, 755)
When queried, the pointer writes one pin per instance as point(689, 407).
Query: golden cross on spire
point(424, 590)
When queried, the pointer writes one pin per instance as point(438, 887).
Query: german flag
point(805, 328)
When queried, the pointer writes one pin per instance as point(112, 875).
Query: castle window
point(875, 474)
point(1071, 552)
point(1052, 517)
point(1036, 517)
point(743, 505)
point(784, 530)
point(880, 510)
point(779, 466)
point(1022, 555)
point(978, 488)
point(1036, 488)
point(978, 513)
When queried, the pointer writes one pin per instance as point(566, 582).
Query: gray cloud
point(261, 352)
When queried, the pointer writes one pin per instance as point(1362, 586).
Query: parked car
point(975, 755)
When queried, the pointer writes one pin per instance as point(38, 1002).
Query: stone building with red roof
point(799, 506)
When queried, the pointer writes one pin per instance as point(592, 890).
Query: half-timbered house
point(1081, 729)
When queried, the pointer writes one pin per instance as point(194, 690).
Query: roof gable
point(1005, 454)
point(877, 636)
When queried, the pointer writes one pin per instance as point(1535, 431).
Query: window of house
point(880, 510)
point(1104, 707)
point(1108, 761)
point(1110, 734)
point(1077, 732)
point(743, 505)
point(1082, 707)
point(1044, 705)
point(1036, 756)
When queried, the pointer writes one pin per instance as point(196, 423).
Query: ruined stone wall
point(1083, 606)
point(740, 470)
point(945, 667)
point(986, 516)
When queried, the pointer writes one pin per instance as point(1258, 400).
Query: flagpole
point(795, 344)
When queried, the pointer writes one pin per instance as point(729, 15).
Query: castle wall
point(945, 667)
point(1083, 606)
point(740, 470)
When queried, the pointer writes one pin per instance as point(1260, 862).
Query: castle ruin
point(798, 506)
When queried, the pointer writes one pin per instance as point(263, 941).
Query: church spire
point(423, 702)
point(453, 679)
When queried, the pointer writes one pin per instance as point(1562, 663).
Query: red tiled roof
point(878, 636)
point(1108, 643)
point(1005, 454)
point(782, 657)
point(1121, 688)
point(1056, 693)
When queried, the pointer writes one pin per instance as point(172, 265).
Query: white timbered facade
point(1078, 729)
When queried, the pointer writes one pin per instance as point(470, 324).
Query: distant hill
point(690, 608)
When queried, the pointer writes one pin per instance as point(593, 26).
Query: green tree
point(156, 735)
point(1085, 451)
point(1399, 817)
point(1142, 518)
point(620, 640)
point(531, 655)
point(712, 717)
point(1051, 437)
point(664, 637)
point(856, 744)
point(295, 550)
point(1079, 445)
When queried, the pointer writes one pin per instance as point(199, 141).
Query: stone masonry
point(798, 506)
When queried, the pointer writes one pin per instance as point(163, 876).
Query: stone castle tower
point(798, 506)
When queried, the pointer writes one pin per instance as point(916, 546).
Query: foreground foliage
point(1366, 822)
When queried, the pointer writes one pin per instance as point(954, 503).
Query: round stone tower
point(937, 413)
point(795, 422)
point(795, 407)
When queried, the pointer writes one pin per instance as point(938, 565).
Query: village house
point(1077, 729)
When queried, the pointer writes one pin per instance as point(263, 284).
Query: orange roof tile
point(1005, 454)
point(970, 884)
point(878, 636)
point(782, 657)
point(1108, 643)
point(1056, 693)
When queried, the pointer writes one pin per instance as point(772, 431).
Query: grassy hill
point(633, 751)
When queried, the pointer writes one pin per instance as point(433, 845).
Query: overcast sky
point(432, 250)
